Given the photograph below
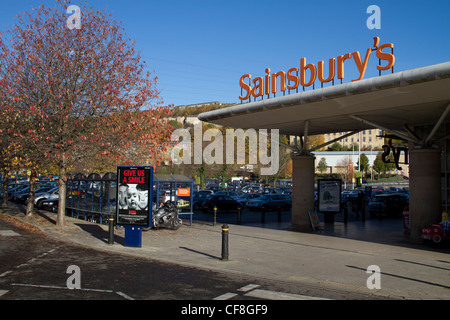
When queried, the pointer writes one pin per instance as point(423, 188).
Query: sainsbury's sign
point(308, 72)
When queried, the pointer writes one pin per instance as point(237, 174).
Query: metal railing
point(92, 197)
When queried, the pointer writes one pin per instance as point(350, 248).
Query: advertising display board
point(134, 196)
point(329, 195)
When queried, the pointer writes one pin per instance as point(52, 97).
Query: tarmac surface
point(341, 256)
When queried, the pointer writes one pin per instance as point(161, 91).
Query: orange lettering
point(330, 72)
point(385, 56)
point(292, 77)
point(312, 69)
point(282, 75)
point(361, 67)
point(258, 86)
point(267, 82)
point(297, 76)
point(245, 86)
point(340, 64)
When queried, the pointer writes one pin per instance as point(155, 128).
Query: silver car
point(41, 196)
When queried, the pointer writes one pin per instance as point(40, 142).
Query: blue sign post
point(134, 202)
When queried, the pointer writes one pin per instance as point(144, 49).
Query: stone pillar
point(302, 191)
point(424, 190)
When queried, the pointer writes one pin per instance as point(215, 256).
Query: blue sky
point(199, 49)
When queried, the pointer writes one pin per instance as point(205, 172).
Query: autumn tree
point(83, 92)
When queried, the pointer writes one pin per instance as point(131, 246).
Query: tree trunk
point(31, 194)
point(5, 188)
point(62, 195)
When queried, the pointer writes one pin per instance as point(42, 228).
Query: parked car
point(270, 201)
point(286, 190)
point(349, 197)
point(22, 197)
point(390, 204)
point(232, 194)
point(17, 188)
point(222, 202)
point(49, 204)
point(270, 190)
point(251, 189)
point(247, 197)
point(198, 197)
point(53, 193)
point(12, 186)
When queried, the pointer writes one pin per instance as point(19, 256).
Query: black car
point(49, 205)
point(221, 202)
point(198, 197)
point(389, 204)
point(247, 197)
point(270, 201)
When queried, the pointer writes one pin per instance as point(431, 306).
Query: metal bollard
point(239, 215)
point(215, 216)
point(263, 214)
point(225, 242)
point(279, 214)
point(111, 230)
point(345, 213)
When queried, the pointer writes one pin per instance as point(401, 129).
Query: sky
point(199, 49)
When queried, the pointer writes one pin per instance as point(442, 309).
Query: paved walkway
point(330, 259)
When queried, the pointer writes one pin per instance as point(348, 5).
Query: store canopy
point(395, 101)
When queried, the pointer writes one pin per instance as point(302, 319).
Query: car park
point(232, 194)
point(221, 202)
point(12, 186)
point(198, 197)
point(270, 190)
point(49, 205)
point(285, 190)
point(270, 201)
point(49, 194)
point(349, 197)
point(17, 188)
point(244, 198)
point(22, 197)
point(251, 189)
point(389, 204)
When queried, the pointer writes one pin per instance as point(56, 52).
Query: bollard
point(363, 213)
point(225, 242)
point(279, 214)
point(345, 213)
point(263, 214)
point(215, 216)
point(111, 230)
point(239, 215)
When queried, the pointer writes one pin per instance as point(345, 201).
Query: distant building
point(371, 139)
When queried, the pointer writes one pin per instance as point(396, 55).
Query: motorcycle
point(166, 216)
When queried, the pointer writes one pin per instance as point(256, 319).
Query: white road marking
point(57, 287)
point(66, 288)
point(2, 292)
point(124, 295)
point(8, 233)
point(248, 287)
point(5, 273)
point(251, 291)
point(274, 295)
point(226, 296)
